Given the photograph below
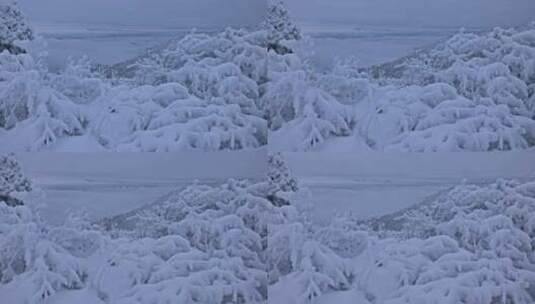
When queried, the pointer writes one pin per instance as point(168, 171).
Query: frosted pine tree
point(279, 179)
point(280, 27)
point(279, 173)
point(13, 27)
point(12, 181)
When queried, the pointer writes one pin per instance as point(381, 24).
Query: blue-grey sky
point(440, 13)
point(150, 13)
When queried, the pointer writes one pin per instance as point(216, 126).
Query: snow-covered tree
point(80, 83)
point(40, 259)
point(13, 27)
point(280, 27)
point(53, 269)
point(35, 114)
point(279, 174)
point(12, 181)
point(295, 253)
point(320, 271)
point(292, 96)
point(29, 255)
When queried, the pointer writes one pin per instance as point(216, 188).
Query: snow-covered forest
point(199, 93)
point(248, 88)
point(472, 92)
point(239, 225)
point(253, 241)
point(470, 243)
point(200, 244)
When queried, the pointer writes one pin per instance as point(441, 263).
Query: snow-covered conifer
point(279, 174)
point(13, 27)
point(280, 27)
point(12, 181)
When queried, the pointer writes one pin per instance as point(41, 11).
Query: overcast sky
point(456, 13)
point(150, 13)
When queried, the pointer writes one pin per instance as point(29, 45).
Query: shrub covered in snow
point(33, 114)
point(201, 92)
point(220, 79)
point(494, 71)
point(303, 113)
point(473, 244)
point(295, 253)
